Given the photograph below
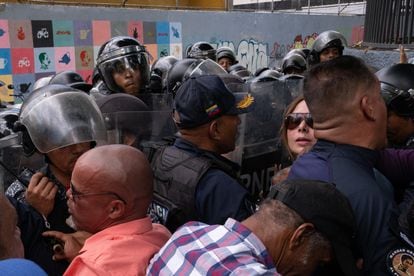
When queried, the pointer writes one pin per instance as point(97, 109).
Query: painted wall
point(259, 39)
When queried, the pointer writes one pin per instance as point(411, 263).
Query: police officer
point(203, 50)
point(158, 75)
point(61, 123)
point(123, 65)
point(226, 57)
point(294, 62)
point(327, 45)
point(397, 89)
point(192, 180)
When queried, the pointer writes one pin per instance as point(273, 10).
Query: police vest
point(176, 175)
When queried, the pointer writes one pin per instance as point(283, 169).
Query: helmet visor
point(62, 120)
point(120, 64)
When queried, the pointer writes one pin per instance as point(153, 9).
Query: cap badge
point(245, 102)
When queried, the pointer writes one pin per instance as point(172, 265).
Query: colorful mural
point(33, 49)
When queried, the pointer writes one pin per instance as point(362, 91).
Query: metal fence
point(389, 23)
point(338, 7)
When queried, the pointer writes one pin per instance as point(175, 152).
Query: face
point(399, 129)
point(128, 79)
point(227, 126)
point(88, 204)
point(300, 139)
point(65, 158)
point(329, 53)
point(225, 62)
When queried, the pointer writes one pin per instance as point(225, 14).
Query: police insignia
point(245, 102)
point(400, 262)
point(212, 110)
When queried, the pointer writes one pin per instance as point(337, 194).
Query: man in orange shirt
point(111, 189)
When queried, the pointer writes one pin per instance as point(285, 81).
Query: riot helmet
point(158, 76)
point(41, 82)
point(325, 40)
point(293, 63)
point(203, 50)
point(119, 60)
point(71, 79)
point(226, 57)
point(240, 71)
point(397, 88)
point(266, 74)
point(56, 116)
point(189, 67)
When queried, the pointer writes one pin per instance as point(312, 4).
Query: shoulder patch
point(400, 262)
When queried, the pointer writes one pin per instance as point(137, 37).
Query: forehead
point(301, 107)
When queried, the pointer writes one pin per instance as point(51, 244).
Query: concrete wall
point(260, 39)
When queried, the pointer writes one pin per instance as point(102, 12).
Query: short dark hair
point(328, 86)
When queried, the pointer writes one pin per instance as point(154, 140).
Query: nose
point(303, 127)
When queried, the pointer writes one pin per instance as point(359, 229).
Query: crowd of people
point(139, 175)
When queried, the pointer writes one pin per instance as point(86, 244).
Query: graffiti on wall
point(250, 53)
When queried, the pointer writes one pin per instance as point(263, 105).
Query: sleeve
point(81, 267)
point(397, 165)
point(219, 196)
point(17, 191)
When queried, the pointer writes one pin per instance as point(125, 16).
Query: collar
point(347, 150)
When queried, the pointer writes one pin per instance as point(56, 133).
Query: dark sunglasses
point(76, 194)
point(293, 120)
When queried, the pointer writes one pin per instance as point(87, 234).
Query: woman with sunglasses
point(296, 135)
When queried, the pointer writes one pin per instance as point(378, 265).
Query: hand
point(280, 176)
point(40, 194)
point(403, 55)
point(69, 244)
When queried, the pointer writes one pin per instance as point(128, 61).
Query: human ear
point(116, 209)
point(214, 130)
point(367, 108)
point(301, 235)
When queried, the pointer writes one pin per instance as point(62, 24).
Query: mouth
point(303, 141)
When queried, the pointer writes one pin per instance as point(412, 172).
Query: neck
point(200, 141)
point(358, 134)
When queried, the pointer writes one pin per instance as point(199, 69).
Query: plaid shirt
point(201, 249)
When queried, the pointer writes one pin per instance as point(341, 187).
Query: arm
point(397, 165)
point(219, 196)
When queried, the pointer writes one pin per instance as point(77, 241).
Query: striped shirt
point(201, 249)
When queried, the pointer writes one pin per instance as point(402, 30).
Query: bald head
point(10, 243)
point(120, 169)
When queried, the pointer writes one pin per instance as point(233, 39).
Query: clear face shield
point(135, 128)
point(133, 63)
point(205, 67)
point(62, 120)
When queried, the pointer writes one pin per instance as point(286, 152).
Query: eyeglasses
point(77, 194)
point(293, 120)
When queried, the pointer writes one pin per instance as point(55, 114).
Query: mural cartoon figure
point(20, 33)
point(2, 32)
point(135, 33)
point(44, 61)
point(175, 32)
point(85, 58)
point(65, 58)
point(42, 33)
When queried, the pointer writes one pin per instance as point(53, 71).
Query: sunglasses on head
point(293, 120)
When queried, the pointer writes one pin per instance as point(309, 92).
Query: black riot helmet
point(227, 52)
point(55, 116)
point(158, 75)
point(203, 50)
point(266, 74)
point(240, 71)
point(294, 63)
point(71, 79)
point(188, 67)
point(327, 39)
point(397, 88)
point(119, 54)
